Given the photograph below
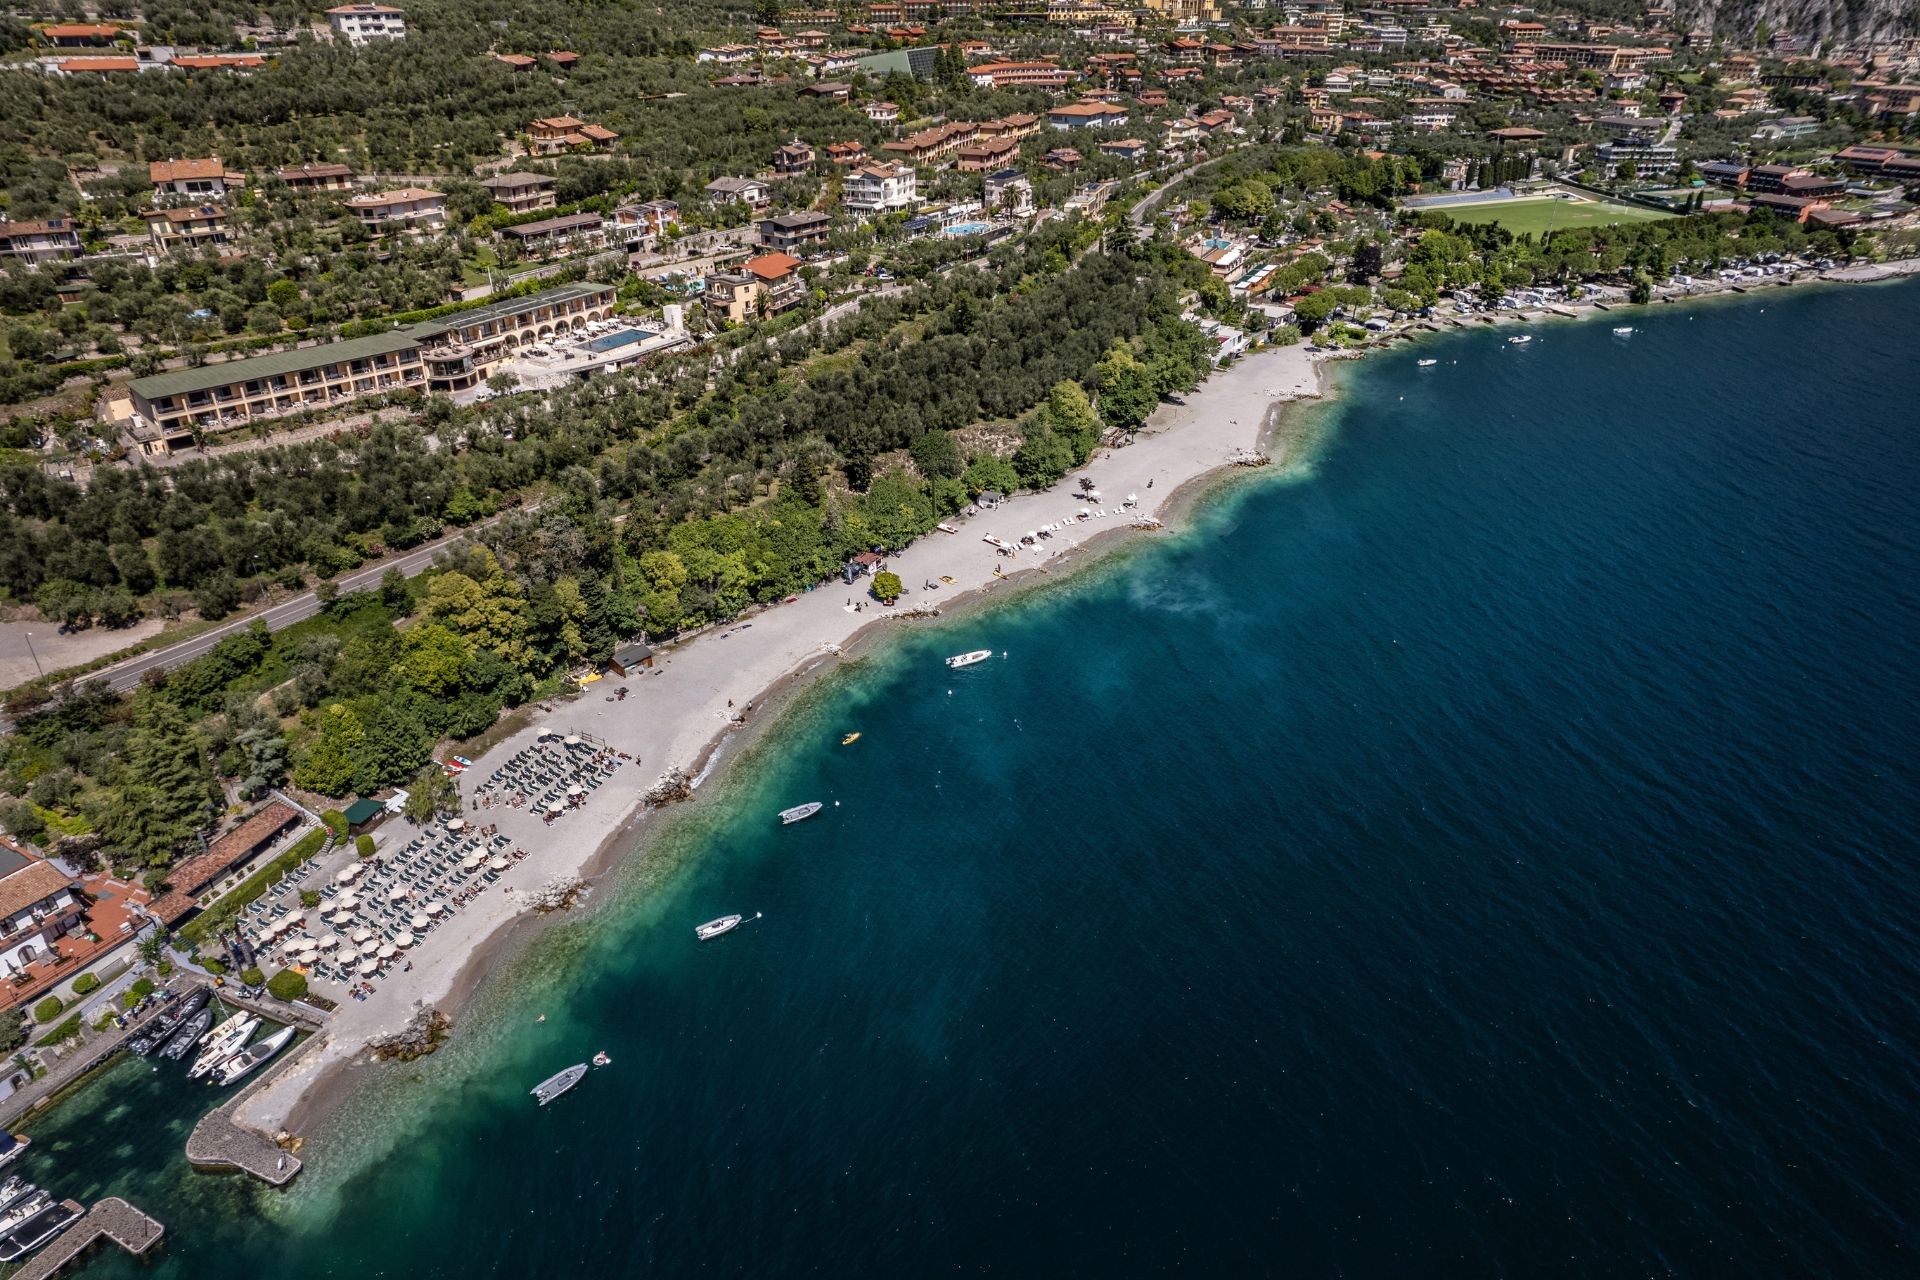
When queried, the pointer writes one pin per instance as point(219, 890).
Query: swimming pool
point(608, 341)
point(966, 229)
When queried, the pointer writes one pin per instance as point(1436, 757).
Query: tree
point(1127, 393)
point(489, 611)
point(430, 794)
point(887, 587)
point(1368, 259)
point(162, 791)
point(1312, 311)
point(328, 766)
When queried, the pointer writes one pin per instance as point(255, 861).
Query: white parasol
point(435, 908)
point(347, 874)
point(558, 806)
point(329, 941)
point(385, 951)
point(571, 740)
point(500, 863)
point(399, 892)
point(341, 917)
point(361, 934)
point(403, 939)
point(456, 824)
point(369, 967)
point(470, 862)
point(309, 957)
point(576, 790)
point(418, 922)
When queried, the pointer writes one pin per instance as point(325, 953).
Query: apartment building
point(1008, 192)
point(1087, 115)
point(206, 179)
point(794, 232)
point(748, 191)
point(521, 192)
point(39, 240)
point(362, 24)
point(764, 286)
point(557, 237)
point(930, 145)
point(38, 906)
point(1036, 75)
point(407, 209)
point(637, 223)
point(879, 188)
point(554, 134)
point(988, 156)
point(189, 229)
point(317, 177)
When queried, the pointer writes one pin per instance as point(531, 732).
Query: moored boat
point(12, 1147)
point(21, 1210)
point(714, 928)
point(968, 659)
point(43, 1226)
point(13, 1189)
point(1427, 364)
point(254, 1056)
point(1623, 331)
point(222, 1043)
point(555, 1085)
point(799, 811)
point(1520, 341)
point(183, 1039)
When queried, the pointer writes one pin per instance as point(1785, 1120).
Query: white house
point(37, 905)
point(880, 188)
point(364, 23)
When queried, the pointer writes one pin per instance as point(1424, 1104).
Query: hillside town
point(679, 318)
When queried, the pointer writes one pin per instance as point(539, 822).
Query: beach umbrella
point(418, 922)
point(456, 824)
point(403, 939)
point(361, 934)
point(386, 951)
point(545, 733)
point(558, 806)
point(341, 917)
point(309, 956)
point(571, 740)
point(347, 901)
point(369, 967)
point(500, 863)
point(297, 917)
point(435, 908)
point(470, 862)
point(329, 942)
point(347, 873)
point(399, 892)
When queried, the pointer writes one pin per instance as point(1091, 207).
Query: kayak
point(850, 739)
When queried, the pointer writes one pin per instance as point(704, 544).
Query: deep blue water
point(1487, 851)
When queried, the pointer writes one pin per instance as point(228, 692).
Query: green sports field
point(1537, 216)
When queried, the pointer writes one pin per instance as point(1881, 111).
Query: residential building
point(988, 156)
point(726, 55)
point(879, 188)
point(1125, 148)
point(557, 237)
point(1184, 11)
point(1062, 160)
point(1624, 126)
point(554, 134)
point(1008, 192)
point(194, 179)
point(39, 240)
point(79, 35)
point(195, 227)
point(764, 286)
point(843, 154)
point(38, 906)
point(794, 232)
point(829, 90)
point(1729, 173)
point(453, 353)
point(882, 112)
point(1866, 160)
point(1018, 125)
point(748, 191)
point(410, 209)
point(1795, 208)
point(520, 62)
point(317, 177)
point(1001, 75)
point(255, 834)
point(362, 24)
point(1770, 178)
point(521, 192)
point(1517, 137)
point(1788, 129)
point(929, 145)
point(636, 223)
point(793, 157)
point(1087, 115)
point(95, 66)
point(1649, 159)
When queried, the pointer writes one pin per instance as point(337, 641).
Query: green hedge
point(336, 822)
point(134, 994)
point(364, 846)
point(287, 985)
point(252, 977)
point(65, 1031)
point(213, 965)
point(47, 1010)
point(227, 910)
point(86, 984)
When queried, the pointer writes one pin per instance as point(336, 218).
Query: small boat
point(43, 1226)
point(21, 1210)
point(553, 1086)
point(602, 1060)
point(254, 1056)
point(1520, 341)
point(968, 659)
point(799, 811)
point(1623, 331)
point(13, 1189)
point(223, 1042)
point(714, 928)
point(12, 1147)
point(1427, 364)
point(183, 1039)
point(850, 739)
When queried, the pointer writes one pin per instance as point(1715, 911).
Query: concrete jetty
point(112, 1219)
point(220, 1142)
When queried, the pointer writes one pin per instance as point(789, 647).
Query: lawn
point(1537, 216)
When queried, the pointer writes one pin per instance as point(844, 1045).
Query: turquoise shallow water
point(1487, 851)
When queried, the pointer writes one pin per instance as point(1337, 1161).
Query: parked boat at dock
point(253, 1057)
point(184, 1038)
point(12, 1147)
point(959, 660)
point(16, 1216)
point(37, 1230)
point(555, 1085)
point(222, 1043)
point(799, 811)
point(13, 1189)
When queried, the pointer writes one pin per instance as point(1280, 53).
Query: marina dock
point(217, 1142)
point(112, 1219)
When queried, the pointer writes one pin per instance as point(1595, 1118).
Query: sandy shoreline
point(680, 716)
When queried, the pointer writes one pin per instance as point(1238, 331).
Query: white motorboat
point(1623, 331)
point(555, 1085)
point(1427, 364)
point(254, 1056)
point(25, 1208)
point(14, 1188)
point(799, 811)
point(714, 928)
point(43, 1226)
point(12, 1147)
point(223, 1042)
point(1520, 341)
point(968, 659)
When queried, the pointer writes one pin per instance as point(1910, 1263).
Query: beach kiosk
point(630, 659)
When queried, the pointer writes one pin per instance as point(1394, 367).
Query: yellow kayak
point(850, 739)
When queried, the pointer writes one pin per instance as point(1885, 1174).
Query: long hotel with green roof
point(454, 353)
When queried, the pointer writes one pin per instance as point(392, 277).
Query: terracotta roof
point(199, 871)
point(79, 31)
point(174, 170)
point(773, 266)
point(215, 61)
point(99, 64)
point(38, 880)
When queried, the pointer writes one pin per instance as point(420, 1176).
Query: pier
point(112, 1219)
point(218, 1142)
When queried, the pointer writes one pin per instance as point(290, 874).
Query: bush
point(86, 984)
point(887, 586)
point(287, 985)
point(213, 965)
point(13, 1032)
point(252, 977)
point(134, 994)
point(336, 822)
point(47, 1010)
point(65, 1031)
point(364, 846)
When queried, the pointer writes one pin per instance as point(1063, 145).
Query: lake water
point(1486, 849)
